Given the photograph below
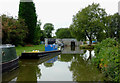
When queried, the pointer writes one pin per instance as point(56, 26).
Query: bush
point(84, 42)
point(107, 58)
point(13, 31)
point(87, 46)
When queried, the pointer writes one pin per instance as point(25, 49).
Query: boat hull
point(38, 54)
point(9, 66)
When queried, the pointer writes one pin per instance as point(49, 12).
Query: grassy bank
point(21, 49)
point(86, 46)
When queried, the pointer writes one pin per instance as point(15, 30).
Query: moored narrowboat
point(9, 57)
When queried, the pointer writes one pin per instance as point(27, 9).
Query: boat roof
point(6, 46)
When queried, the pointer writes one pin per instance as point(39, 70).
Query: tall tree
point(28, 13)
point(43, 35)
point(111, 23)
point(48, 28)
point(63, 33)
point(112, 26)
point(38, 33)
point(88, 22)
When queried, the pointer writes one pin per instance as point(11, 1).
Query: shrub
point(13, 31)
point(107, 58)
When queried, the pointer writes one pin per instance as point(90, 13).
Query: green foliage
point(38, 33)
point(66, 57)
point(112, 26)
point(48, 28)
point(27, 11)
point(88, 23)
point(43, 35)
point(63, 33)
point(13, 31)
point(85, 46)
point(48, 64)
point(84, 42)
point(107, 58)
point(105, 43)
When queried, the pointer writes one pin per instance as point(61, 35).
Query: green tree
point(43, 35)
point(13, 31)
point(88, 22)
point(77, 33)
point(27, 11)
point(112, 26)
point(115, 25)
point(63, 33)
point(38, 33)
point(48, 28)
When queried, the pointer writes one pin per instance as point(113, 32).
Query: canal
point(70, 65)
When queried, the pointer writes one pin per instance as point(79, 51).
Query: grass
point(86, 46)
point(20, 49)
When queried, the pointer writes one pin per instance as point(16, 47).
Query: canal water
point(70, 65)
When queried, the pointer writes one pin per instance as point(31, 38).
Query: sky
point(57, 12)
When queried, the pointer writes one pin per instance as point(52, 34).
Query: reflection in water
point(88, 55)
point(28, 70)
point(50, 62)
point(82, 71)
point(10, 76)
point(69, 66)
point(69, 50)
point(65, 58)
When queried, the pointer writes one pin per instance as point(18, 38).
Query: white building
point(66, 42)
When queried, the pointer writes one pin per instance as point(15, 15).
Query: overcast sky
point(57, 12)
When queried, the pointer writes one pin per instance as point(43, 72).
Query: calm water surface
point(70, 65)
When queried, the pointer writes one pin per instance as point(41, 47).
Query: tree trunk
point(90, 41)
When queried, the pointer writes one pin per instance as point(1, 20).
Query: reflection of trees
point(82, 71)
point(90, 55)
point(38, 72)
point(48, 64)
point(28, 71)
point(84, 51)
point(66, 57)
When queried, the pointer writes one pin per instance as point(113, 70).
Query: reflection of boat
point(52, 60)
point(10, 76)
point(9, 57)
